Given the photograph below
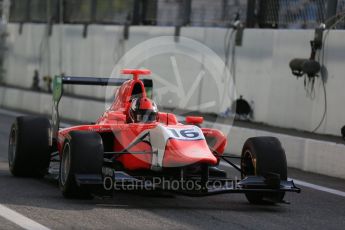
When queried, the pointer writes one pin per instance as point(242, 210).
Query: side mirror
point(194, 120)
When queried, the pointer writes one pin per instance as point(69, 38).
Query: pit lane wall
point(263, 76)
point(316, 156)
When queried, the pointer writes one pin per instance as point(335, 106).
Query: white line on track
point(10, 214)
point(19, 219)
point(318, 187)
point(307, 184)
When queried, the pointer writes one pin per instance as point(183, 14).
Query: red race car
point(133, 143)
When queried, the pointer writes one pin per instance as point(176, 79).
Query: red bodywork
point(177, 152)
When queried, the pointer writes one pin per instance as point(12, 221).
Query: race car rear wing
point(60, 80)
point(102, 81)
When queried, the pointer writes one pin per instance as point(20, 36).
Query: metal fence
point(220, 13)
point(296, 13)
point(73, 11)
point(340, 12)
point(215, 13)
point(147, 12)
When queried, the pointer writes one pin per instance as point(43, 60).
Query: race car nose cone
point(179, 153)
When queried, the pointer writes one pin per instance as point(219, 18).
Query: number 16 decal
point(185, 133)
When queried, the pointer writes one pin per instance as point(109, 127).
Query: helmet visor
point(146, 116)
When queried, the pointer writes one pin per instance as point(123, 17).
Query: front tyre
point(262, 156)
point(82, 154)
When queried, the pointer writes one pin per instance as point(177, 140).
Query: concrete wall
point(41, 103)
point(263, 75)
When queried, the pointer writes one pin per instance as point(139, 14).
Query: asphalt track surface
point(35, 204)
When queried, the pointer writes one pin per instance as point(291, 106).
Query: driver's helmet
point(143, 110)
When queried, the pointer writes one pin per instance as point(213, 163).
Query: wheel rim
point(12, 147)
point(65, 164)
point(247, 166)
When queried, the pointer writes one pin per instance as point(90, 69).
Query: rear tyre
point(28, 149)
point(82, 154)
point(262, 156)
